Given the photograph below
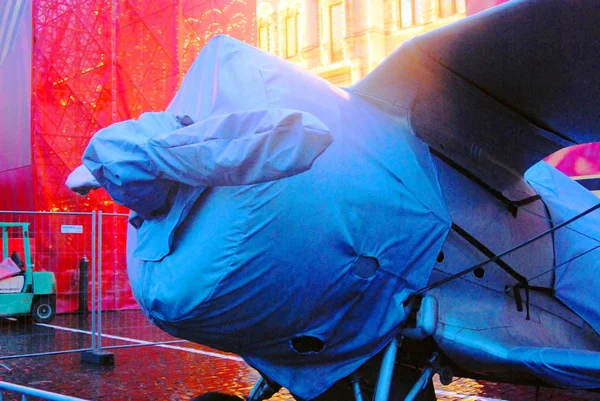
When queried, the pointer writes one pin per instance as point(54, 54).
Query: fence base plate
point(98, 358)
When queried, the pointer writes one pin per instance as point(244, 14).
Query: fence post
point(94, 299)
point(99, 275)
point(96, 355)
point(84, 265)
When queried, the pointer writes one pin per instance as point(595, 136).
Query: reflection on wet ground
point(176, 371)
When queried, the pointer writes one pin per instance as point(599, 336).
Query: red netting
point(96, 62)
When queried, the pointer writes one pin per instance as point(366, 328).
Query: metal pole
point(99, 326)
point(46, 395)
point(20, 356)
point(96, 356)
point(94, 281)
point(113, 59)
point(384, 382)
point(423, 381)
point(84, 267)
point(51, 213)
point(355, 381)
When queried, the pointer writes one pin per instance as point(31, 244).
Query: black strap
point(522, 280)
point(503, 265)
point(513, 249)
point(517, 295)
point(518, 299)
point(489, 253)
point(513, 206)
point(543, 290)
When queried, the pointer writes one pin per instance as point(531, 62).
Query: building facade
point(343, 40)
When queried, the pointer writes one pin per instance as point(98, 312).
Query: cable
point(508, 289)
point(552, 222)
point(497, 257)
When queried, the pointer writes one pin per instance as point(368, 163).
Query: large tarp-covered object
point(500, 90)
point(576, 251)
point(285, 220)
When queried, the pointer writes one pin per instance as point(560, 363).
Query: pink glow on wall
point(577, 161)
point(475, 6)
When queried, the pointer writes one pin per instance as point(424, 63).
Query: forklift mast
point(26, 247)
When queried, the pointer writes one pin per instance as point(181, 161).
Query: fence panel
point(59, 242)
point(122, 323)
point(86, 253)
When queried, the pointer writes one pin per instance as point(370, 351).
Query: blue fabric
point(577, 278)
point(568, 368)
point(252, 266)
point(158, 168)
point(117, 159)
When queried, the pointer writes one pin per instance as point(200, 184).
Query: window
point(291, 35)
point(263, 36)
point(336, 31)
point(447, 8)
point(264, 17)
point(407, 13)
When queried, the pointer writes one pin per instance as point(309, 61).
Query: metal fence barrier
point(59, 245)
point(27, 392)
point(86, 252)
point(120, 321)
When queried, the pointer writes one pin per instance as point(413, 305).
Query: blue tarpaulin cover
point(289, 208)
point(576, 246)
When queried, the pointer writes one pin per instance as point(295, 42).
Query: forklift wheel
point(43, 309)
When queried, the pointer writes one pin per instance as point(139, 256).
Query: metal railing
point(27, 392)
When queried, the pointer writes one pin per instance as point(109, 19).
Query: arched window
point(291, 33)
point(264, 35)
point(264, 15)
point(450, 7)
point(447, 8)
point(407, 13)
point(336, 31)
point(289, 30)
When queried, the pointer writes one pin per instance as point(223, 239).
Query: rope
point(508, 289)
point(497, 257)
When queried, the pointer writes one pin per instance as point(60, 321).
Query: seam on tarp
point(537, 123)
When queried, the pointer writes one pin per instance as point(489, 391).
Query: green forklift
point(22, 291)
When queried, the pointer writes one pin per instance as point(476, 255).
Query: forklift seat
point(18, 261)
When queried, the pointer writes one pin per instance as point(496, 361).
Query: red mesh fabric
point(475, 6)
point(96, 62)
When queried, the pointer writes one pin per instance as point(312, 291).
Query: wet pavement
point(175, 371)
